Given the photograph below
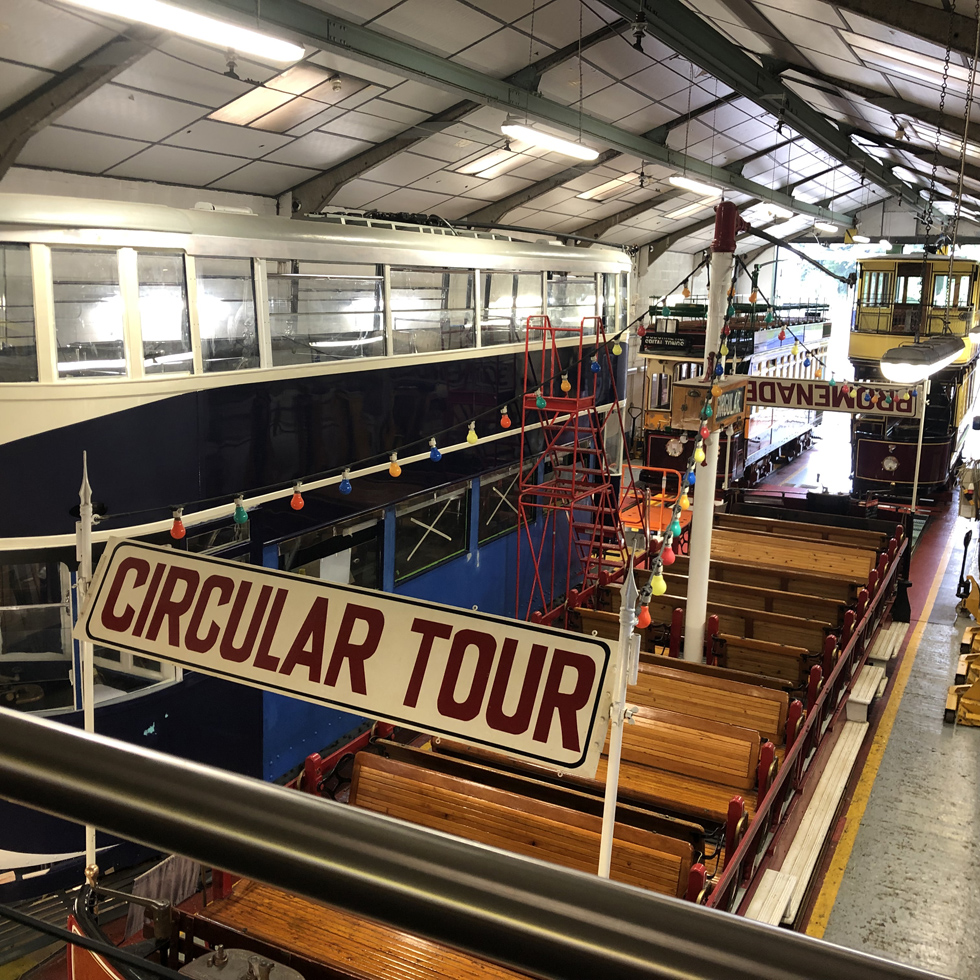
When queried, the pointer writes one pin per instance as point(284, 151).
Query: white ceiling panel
point(444, 26)
point(809, 34)
point(356, 11)
point(447, 147)
point(215, 59)
point(406, 199)
point(333, 61)
point(162, 74)
point(16, 81)
point(48, 37)
point(175, 165)
point(873, 29)
point(319, 150)
point(261, 177)
point(499, 187)
point(315, 122)
point(58, 148)
point(127, 112)
point(500, 54)
point(359, 193)
point(396, 113)
point(657, 82)
point(646, 119)
point(419, 96)
point(405, 168)
point(617, 57)
point(508, 10)
point(357, 98)
point(615, 102)
point(814, 9)
point(446, 182)
point(216, 137)
point(558, 22)
point(562, 82)
point(361, 126)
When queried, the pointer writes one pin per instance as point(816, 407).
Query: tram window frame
point(102, 355)
point(421, 323)
point(499, 511)
point(492, 330)
point(875, 288)
point(362, 538)
point(235, 345)
point(324, 338)
point(903, 277)
point(559, 283)
point(961, 292)
point(407, 520)
point(18, 341)
point(164, 358)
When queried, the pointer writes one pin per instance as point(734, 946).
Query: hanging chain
point(939, 122)
point(530, 58)
point(580, 93)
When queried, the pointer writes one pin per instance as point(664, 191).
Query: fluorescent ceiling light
point(251, 106)
point(209, 30)
point(535, 137)
point(609, 188)
point(694, 185)
point(495, 163)
point(860, 239)
point(689, 209)
point(824, 226)
point(912, 363)
point(904, 56)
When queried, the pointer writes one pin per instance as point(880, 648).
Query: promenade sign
point(823, 396)
point(532, 691)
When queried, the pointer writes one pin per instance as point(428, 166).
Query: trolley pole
point(727, 223)
point(83, 580)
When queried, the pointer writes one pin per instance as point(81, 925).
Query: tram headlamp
point(911, 363)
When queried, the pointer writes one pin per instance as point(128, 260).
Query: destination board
point(823, 396)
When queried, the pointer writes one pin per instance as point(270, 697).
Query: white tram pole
point(918, 449)
point(622, 669)
point(83, 580)
point(722, 260)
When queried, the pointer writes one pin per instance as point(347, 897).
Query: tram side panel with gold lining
point(901, 299)
point(673, 347)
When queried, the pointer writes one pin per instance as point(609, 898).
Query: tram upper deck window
point(320, 311)
point(875, 289)
point(908, 284)
point(226, 313)
point(432, 309)
point(508, 300)
point(570, 298)
point(88, 313)
point(18, 355)
point(957, 291)
point(164, 325)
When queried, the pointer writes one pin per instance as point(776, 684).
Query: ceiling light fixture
point(708, 190)
point(548, 141)
point(860, 239)
point(610, 187)
point(825, 226)
point(209, 30)
point(689, 209)
point(911, 363)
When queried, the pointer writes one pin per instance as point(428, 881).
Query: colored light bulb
point(708, 411)
point(699, 455)
point(596, 368)
point(915, 392)
point(724, 350)
point(781, 335)
point(719, 370)
point(716, 390)
point(643, 620)
point(177, 529)
point(641, 331)
point(845, 388)
point(686, 292)
point(471, 436)
point(818, 373)
point(806, 361)
point(753, 296)
point(566, 385)
point(505, 420)
point(657, 583)
point(393, 468)
point(833, 381)
point(667, 555)
point(769, 317)
point(617, 348)
point(345, 486)
point(675, 528)
point(665, 311)
point(541, 401)
point(705, 432)
point(685, 502)
point(434, 453)
point(795, 349)
point(730, 312)
point(296, 501)
point(241, 515)
point(691, 479)
point(726, 330)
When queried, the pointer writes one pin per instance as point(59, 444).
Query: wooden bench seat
point(297, 932)
point(790, 664)
point(760, 709)
point(801, 531)
point(712, 670)
point(517, 824)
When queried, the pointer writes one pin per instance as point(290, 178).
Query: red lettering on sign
point(193, 640)
point(821, 397)
point(566, 704)
point(262, 656)
point(172, 609)
point(750, 392)
point(469, 707)
point(767, 392)
point(430, 631)
point(151, 594)
point(520, 720)
point(307, 648)
point(838, 398)
point(355, 653)
point(228, 650)
point(804, 393)
point(785, 392)
point(111, 620)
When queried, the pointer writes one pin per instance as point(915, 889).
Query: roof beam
point(314, 194)
point(327, 31)
point(920, 20)
point(927, 153)
point(685, 32)
point(597, 229)
point(660, 134)
point(38, 109)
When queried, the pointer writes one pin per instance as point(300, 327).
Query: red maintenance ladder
point(569, 522)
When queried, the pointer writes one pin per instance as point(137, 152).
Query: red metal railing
point(801, 745)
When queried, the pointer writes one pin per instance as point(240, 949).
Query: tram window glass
point(608, 309)
point(163, 313)
point(226, 313)
point(959, 293)
point(321, 311)
point(18, 355)
point(431, 533)
point(570, 298)
point(508, 300)
point(624, 294)
point(908, 286)
point(346, 553)
point(875, 291)
point(432, 309)
point(498, 504)
point(88, 313)
point(35, 635)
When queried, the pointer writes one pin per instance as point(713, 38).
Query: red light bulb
point(297, 502)
point(505, 420)
point(177, 529)
point(641, 331)
point(782, 334)
point(643, 620)
point(667, 556)
point(705, 432)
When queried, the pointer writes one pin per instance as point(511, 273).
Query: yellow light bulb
point(724, 350)
point(699, 455)
point(685, 502)
point(471, 436)
point(795, 349)
point(566, 385)
point(686, 293)
point(819, 373)
point(657, 584)
point(617, 348)
point(715, 390)
point(753, 296)
point(393, 468)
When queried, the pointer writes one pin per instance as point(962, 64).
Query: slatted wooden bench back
point(849, 536)
point(518, 824)
point(787, 663)
point(760, 709)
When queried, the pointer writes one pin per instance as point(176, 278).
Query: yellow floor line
point(855, 813)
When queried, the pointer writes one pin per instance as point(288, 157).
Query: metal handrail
point(546, 921)
point(809, 737)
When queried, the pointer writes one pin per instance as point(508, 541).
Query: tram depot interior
point(364, 293)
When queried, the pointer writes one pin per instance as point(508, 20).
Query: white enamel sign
point(532, 691)
point(823, 396)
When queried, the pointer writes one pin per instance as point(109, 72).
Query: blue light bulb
point(434, 453)
point(596, 367)
point(719, 371)
point(691, 479)
point(345, 486)
point(806, 362)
